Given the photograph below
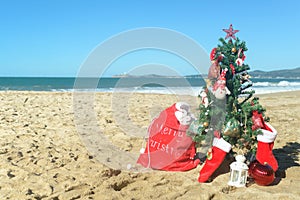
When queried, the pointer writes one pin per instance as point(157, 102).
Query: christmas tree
point(230, 119)
point(228, 108)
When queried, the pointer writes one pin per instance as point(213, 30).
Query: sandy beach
point(56, 145)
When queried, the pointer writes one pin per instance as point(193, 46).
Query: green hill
point(284, 73)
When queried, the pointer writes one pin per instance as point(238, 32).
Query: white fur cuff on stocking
point(267, 136)
point(222, 144)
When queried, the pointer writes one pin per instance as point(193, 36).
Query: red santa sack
point(168, 147)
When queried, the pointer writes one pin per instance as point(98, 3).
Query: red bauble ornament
point(251, 166)
point(220, 58)
point(262, 174)
point(257, 120)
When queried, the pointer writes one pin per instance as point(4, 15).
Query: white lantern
point(238, 172)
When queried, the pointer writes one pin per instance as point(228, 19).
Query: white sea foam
point(258, 87)
point(276, 84)
point(272, 87)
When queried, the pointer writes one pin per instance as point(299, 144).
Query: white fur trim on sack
point(267, 136)
point(183, 114)
point(182, 106)
point(222, 144)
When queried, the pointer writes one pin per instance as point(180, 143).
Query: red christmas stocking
point(265, 145)
point(219, 150)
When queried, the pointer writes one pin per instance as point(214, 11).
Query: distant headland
point(284, 73)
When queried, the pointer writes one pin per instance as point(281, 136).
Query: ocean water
point(189, 86)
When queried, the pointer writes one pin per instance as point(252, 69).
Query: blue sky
point(54, 37)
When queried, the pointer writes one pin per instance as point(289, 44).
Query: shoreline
point(103, 92)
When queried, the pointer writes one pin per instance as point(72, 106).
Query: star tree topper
point(230, 32)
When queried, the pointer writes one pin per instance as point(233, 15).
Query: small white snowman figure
point(219, 89)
